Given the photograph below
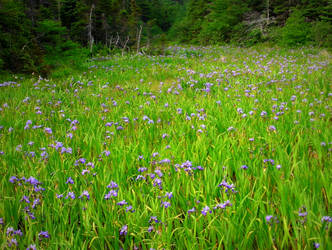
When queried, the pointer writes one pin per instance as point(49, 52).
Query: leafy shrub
point(322, 33)
point(296, 31)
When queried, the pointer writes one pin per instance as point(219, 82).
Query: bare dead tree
point(117, 39)
point(139, 38)
point(105, 27)
point(125, 45)
point(268, 12)
point(59, 10)
point(90, 37)
point(109, 45)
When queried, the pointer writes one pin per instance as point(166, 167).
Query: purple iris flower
point(150, 229)
point(124, 230)
point(206, 210)
point(86, 194)
point(165, 204)
point(169, 195)
point(48, 130)
point(70, 181)
point(71, 195)
point(191, 210)
point(113, 185)
point(31, 247)
point(154, 218)
point(110, 194)
point(244, 167)
point(326, 219)
point(142, 170)
point(25, 198)
point(130, 208)
point(44, 234)
point(140, 177)
point(122, 203)
point(13, 179)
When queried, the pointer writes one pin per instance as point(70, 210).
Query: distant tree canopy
point(33, 31)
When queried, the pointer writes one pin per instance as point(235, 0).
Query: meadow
point(199, 148)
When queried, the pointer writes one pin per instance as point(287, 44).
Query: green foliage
point(296, 30)
point(46, 28)
point(219, 24)
point(322, 33)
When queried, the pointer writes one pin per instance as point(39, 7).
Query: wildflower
point(70, 181)
point(303, 213)
point(205, 210)
point(272, 128)
point(157, 181)
point(191, 210)
point(48, 131)
point(9, 231)
point(154, 218)
point(263, 113)
point(18, 232)
point(226, 186)
point(44, 234)
point(169, 195)
point(140, 157)
point(130, 208)
point(268, 218)
point(165, 204)
point(244, 167)
point(84, 171)
point(231, 129)
point(155, 154)
point(122, 203)
point(165, 161)
point(86, 194)
point(316, 245)
point(25, 198)
point(158, 172)
point(113, 185)
point(12, 241)
point(327, 219)
point(110, 194)
point(31, 247)
point(140, 177)
point(223, 205)
point(35, 203)
point(13, 179)
point(124, 230)
point(71, 195)
point(142, 170)
point(150, 229)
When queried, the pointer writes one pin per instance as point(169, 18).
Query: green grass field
point(203, 148)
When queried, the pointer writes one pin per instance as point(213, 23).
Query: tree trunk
point(90, 37)
point(139, 39)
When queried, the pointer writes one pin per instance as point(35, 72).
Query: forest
point(39, 35)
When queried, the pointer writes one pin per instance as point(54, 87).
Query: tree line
point(35, 35)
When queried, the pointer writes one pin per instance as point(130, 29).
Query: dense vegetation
point(164, 124)
point(40, 35)
point(205, 148)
